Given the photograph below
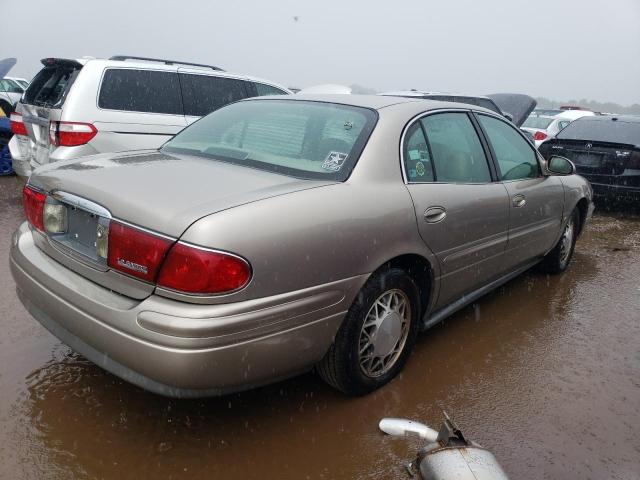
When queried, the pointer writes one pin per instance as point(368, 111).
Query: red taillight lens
point(539, 135)
point(17, 125)
point(71, 134)
point(135, 252)
point(194, 270)
point(33, 202)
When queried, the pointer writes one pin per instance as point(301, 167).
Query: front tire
point(376, 336)
point(558, 259)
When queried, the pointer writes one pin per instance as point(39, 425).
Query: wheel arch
point(583, 208)
point(420, 270)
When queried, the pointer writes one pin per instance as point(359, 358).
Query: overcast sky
point(562, 49)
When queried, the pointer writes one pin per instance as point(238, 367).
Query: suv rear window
point(50, 86)
point(202, 94)
point(140, 91)
point(311, 140)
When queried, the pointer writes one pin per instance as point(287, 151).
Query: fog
point(557, 49)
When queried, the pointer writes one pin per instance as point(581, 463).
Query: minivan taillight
point(196, 270)
point(17, 125)
point(136, 252)
point(539, 135)
point(70, 134)
point(33, 203)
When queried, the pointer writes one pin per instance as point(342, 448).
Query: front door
point(536, 201)
point(462, 213)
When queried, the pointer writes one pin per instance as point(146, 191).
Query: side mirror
point(561, 166)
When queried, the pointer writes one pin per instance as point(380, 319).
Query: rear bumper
point(177, 349)
point(22, 153)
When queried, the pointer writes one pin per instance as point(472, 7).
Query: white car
point(544, 127)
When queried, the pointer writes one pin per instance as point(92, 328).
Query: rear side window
point(516, 157)
point(417, 160)
point(263, 90)
point(202, 94)
point(50, 86)
point(140, 91)
point(458, 155)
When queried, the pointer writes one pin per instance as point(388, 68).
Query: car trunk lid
point(158, 192)
point(518, 105)
point(590, 157)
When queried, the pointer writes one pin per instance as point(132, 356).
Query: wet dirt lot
point(545, 372)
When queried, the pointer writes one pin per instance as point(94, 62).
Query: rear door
point(43, 102)
point(536, 201)
point(462, 213)
point(202, 93)
point(138, 109)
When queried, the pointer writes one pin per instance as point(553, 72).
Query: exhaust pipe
point(447, 453)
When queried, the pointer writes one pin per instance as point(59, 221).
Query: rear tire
point(558, 259)
point(376, 336)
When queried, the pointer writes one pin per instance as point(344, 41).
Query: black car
point(605, 149)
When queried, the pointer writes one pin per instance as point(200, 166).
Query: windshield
point(303, 139)
point(537, 122)
point(603, 129)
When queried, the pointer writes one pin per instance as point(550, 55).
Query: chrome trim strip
point(81, 203)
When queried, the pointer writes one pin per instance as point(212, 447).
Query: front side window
point(515, 156)
point(263, 89)
point(458, 156)
point(202, 94)
point(312, 140)
point(140, 91)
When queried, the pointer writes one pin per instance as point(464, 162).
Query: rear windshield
point(51, 85)
point(602, 129)
point(311, 140)
point(146, 91)
point(537, 122)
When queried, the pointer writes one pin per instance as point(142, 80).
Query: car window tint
point(264, 90)
point(202, 94)
point(516, 158)
point(417, 161)
point(458, 156)
point(140, 91)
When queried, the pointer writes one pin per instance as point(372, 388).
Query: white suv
point(75, 108)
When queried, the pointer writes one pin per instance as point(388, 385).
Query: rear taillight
point(33, 202)
point(196, 270)
point(17, 125)
point(136, 252)
point(71, 134)
point(539, 135)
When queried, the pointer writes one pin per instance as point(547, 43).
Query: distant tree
point(608, 107)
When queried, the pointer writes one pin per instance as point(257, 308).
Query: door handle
point(435, 214)
point(519, 200)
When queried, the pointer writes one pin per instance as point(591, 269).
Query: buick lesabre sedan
point(282, 234)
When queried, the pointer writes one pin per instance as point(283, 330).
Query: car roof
point(375, 102)
point(421, 93)
point(159, 65)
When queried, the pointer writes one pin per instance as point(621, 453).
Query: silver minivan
point(75, 108)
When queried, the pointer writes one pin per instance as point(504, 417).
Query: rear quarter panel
point(315, 236)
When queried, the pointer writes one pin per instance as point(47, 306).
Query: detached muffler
point(447, 454)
